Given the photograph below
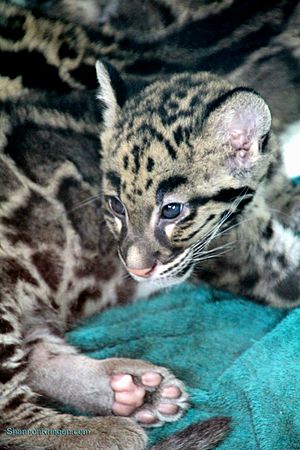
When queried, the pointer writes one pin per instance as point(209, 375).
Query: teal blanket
point(237, 358)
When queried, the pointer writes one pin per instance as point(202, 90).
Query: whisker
point(278, 211)
point(220, 247)
point(217, 255)
point(85, 202)
point(234, 226)
point(211, 234)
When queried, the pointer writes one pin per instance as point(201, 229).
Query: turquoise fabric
point(237, 358)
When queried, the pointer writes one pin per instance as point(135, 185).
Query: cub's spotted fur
point(245, 44)
point(193, 172)
point(58, 266)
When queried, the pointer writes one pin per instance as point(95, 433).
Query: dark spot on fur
point(231, 194)
point(288, 288)
point(198, 201)
point(226, 196)
point(182, 134)
point(150, 164)
point(139, 192)
point(97, 36)
point(148, 184)
point(264, 143)
point(115, 180)
point(136, 151)
point(87, 294)
point(268, 231)
point(66, 51)
point(268, 256)
point(144, 66)
point(171, 150)
point(249, 281)
point(52, 301)
point(172, 104)
point(242, 204)
point(274, 167)
point(178, 135)
point(130, 198)
point(49, 266)
point(181, 94)
point(6, 374)
point(5, 326)
point(11, 272)
point(85, 74)
point(13, 238)
point(30, 223)
point(12, 28)
point(195, 101)
point(169, 185)
point(282, 261)
point(205, 275)
point(95, 267)
point(125, 162)
point(6, 351)
point(125, 292)
point(207, 176)
point(47, 77)
point(166, 14)
point(15, 402)
point(155, 134)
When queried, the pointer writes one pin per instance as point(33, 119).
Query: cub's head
point(181, 160)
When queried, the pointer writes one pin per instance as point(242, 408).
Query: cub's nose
point(144, 273)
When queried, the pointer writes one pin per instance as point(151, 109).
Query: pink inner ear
point(242, 130)
point(240, 140)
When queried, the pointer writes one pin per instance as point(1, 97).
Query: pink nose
point(145, 273)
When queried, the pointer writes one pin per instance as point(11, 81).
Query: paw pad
point(152, 397)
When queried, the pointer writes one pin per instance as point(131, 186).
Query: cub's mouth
point(173, 272)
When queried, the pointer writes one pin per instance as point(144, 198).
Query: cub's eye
point(116, 206)
point(171, 211)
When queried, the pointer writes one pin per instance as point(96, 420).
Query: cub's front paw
point(148, 393)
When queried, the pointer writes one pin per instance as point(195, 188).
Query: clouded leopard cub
point(190, 170)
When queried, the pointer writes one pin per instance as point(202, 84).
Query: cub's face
point(179, 168)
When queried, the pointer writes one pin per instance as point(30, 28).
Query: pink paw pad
point(167, 401)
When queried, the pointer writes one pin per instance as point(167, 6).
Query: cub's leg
point(124, 387)
point(284, 201)
point(272, 270)
point(264, 265)
point(19, 409)
point(35, 360)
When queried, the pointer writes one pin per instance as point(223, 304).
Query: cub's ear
point(240, 120)
point(111, 93)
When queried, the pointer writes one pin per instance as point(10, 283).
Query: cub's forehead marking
point(115, 180)
point(168, 185)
